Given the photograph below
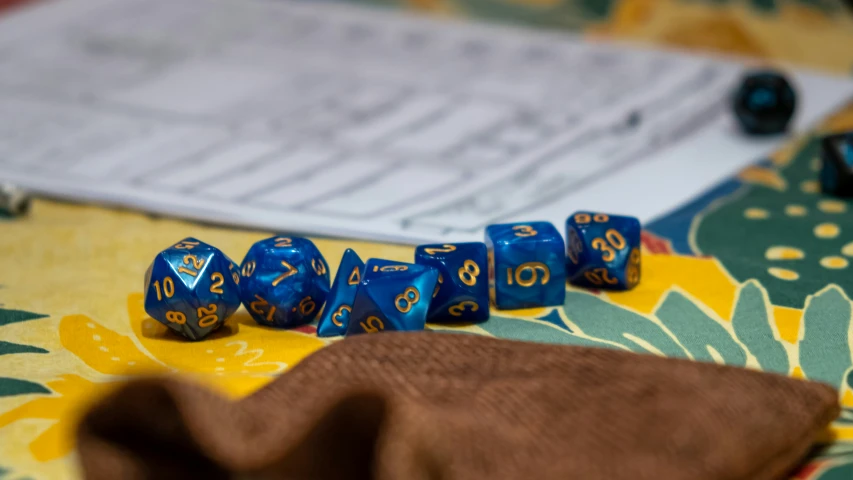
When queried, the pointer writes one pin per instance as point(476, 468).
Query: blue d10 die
point(335, 317)
point(285, 281)
point(462, 294)
point(526, 265)
point(603, 250)
point(192, 288)
point(836, 173)
point(764, 103)
point(392, 296)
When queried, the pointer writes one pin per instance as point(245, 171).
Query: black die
point(836, 173)
point(764, 103)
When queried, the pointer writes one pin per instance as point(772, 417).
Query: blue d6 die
point(603, 250)
point(285, 281)
point(192, 288)
point(463, 286)
point(836, 173)
point(335, 317)
point(392, 296)
point(764, 103)
point(526, 265)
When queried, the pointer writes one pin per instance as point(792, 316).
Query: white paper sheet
point(338, 120)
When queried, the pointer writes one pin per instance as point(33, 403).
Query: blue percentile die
point(836, 173)
point(284, 281)
point(192, 288)
point(392, 296)
point(603, 250)
point(527, 265)
point(335, 317)
point(462, 293)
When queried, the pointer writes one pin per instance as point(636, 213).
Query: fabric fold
point(448, 406)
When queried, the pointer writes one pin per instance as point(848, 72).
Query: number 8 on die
point(462, 293)
point(392, 296)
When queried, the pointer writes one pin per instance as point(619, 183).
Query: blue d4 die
point(192, 288)
point(462, 294)
point(836, 173)
point(526, 265)
point(285, 281)
point(335, 317)
point(603, 250)
point(392, 296)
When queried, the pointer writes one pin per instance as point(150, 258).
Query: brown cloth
point(430, 406)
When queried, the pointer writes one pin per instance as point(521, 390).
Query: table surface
point(754, 273)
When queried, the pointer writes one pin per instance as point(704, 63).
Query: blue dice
point(284, 281)
point(392, 296)
point(764, 103)
point(526, 265)
point(603, 250)
point(192, 288)
point(836, 173)
point(462, 293)
point(335, 317)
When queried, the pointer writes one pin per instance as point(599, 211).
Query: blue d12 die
point(192, 288)
point(836, 173)
point(764, 103)
point(284, 281)
point(526, 265)
point(463, 285)
point(603, 250)
point(335, 317)
point(392, 296)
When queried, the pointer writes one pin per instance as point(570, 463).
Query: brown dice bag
point(448, 406)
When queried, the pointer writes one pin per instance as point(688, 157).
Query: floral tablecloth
point(756, 272)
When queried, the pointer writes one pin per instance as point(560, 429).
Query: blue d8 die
point(764, 103)
point(603, 250)
point(392, 296)
point(836, 173)
point(192, 288)
point(462, 294)
point(285, 281)
point(526, 265)
point(335, 317)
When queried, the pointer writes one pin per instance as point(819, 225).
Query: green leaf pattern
point(15, 386)
point(755, 330)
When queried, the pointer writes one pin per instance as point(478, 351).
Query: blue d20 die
point(284, 281)
point(836, 173)
point(335, 317)
point(526, 265)
point(192, 288)
point(463, 284)
point(764, 103)
point(392, 296)
point(603, 250)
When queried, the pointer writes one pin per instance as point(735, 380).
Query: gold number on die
point(533, 268)
point(409, 297)
point(524, 231)
point(468, 272)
